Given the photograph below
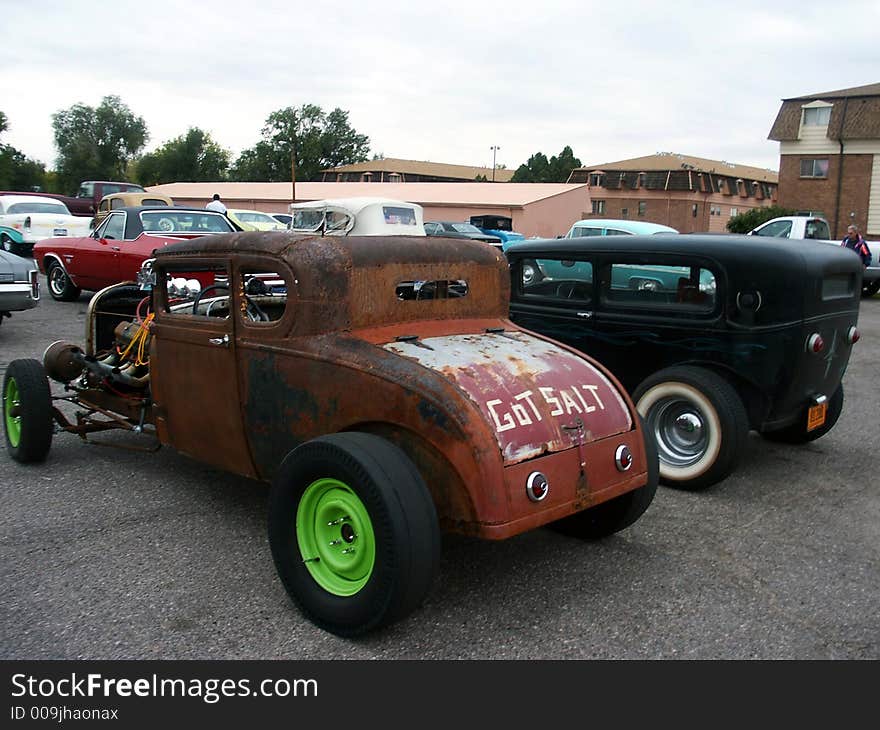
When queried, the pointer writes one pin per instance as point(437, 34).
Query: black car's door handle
point(584, 315)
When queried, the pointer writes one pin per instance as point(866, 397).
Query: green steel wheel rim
point(335, 537)
point(11, 406)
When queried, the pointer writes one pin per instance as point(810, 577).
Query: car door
point(193, 368)
point(94, 261)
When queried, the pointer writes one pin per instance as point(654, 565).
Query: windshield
point(254, 217)
point(465, 228)
point(178, 221)
point(48, 207)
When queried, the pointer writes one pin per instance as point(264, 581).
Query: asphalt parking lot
point(118, 554)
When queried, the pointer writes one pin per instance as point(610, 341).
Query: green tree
point(96, 143)
point(749, 219)
point(18, 172)
point(321, 141)
point(191, 157)
point(540, 169)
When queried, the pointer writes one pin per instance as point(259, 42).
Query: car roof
point(710, 245)
point(624, 224)
point(354, 205)
point(29, 199)
point(169, 209)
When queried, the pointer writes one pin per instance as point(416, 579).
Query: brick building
point(688, 193)
point(829, 156)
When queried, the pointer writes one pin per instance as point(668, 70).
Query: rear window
point(838, 286)
point(154, 203)
point(48, 207)
point(175, 221)
point(426, 290)
point(397, 215)
point(649, 286)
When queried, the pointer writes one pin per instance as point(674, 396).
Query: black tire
point(11, 246)
point(699, 423)
point(398, 521)
point(60, 286)
point(27, 411)
point(870, 288)
point(797, 432)
point(619, 513)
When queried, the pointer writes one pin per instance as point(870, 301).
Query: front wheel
point(61, 287)
point(353, 532)
point(870, 288)
point(797, 432)
point(27, 411)
point(698, 421)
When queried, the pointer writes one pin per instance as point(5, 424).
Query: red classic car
point(116, 249)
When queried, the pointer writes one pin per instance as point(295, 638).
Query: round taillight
point(815, 343)
point(623, 458)
point(853, 335)
point(537, 486)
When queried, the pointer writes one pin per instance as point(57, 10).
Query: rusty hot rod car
point(377, 383)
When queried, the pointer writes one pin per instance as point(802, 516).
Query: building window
point(817, 116)
point(598, 207)
point(733, 212)
point(643, 207)
point(695, 208)
point(624, 212)
point(814, 168)
point(597, 179)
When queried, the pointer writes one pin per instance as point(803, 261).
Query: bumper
point(16, 297)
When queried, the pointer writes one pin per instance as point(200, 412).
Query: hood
point(19, 267)
point(531, 392)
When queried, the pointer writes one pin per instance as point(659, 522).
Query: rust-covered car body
point(395, 340)
point(468, 395)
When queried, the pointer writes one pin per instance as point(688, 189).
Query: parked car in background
point(368, 216)
point(816, 228)
point(381, 412)
point(114, 201)
point(88, 196)
point(500, 226)
point(116, 249)
point(459, 229)
point(254, 220)
point(616, 227)
point(284, 218)
point(712, 335)
point(19, 284)
point(26, 219)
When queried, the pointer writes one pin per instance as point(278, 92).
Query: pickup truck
point(817, 229)
point(88, 196)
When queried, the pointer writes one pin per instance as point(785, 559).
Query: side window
point(555, 282)
point(114, 227)
point(201, 291)
point(104, 206)
point(263, 296)
point(651, 286)
point(86, 190)
point(116, 203)
point(777, 229)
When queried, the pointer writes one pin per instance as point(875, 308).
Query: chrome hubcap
point(680, 431)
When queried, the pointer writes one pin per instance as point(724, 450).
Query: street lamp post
point(494, 149)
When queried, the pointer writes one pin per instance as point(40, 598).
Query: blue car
point(500, 226)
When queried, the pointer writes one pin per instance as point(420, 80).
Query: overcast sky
point(442, 81)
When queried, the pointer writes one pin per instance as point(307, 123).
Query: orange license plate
point(816, 416)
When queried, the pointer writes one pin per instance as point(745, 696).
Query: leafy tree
point(96, 143)
point(193, 157)
point(540, 169)
point(18, 172)
point(320, 140)
point(749, 219)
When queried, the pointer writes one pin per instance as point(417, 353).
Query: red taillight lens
point(853, 335)
point(537, 486)
point(815, 343)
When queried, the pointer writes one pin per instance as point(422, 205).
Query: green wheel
point(27, 411)
point(353, 532)
point(334, 530)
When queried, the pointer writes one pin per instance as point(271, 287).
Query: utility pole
point(494, 149)
point(293, 161)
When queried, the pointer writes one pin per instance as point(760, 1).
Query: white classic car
point(26, 219)
point(358, 217)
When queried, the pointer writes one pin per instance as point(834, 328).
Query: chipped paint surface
point(531, 392)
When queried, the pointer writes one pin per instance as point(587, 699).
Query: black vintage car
point(712, 335)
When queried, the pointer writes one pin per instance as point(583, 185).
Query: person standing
point(854, 241)
point(216, 204)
